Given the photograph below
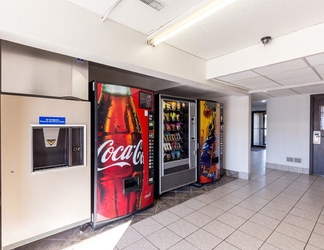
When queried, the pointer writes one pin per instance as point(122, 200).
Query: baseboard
point(288, 168)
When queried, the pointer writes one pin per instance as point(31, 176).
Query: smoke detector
point(157, 5)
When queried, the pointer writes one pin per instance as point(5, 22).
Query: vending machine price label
point(51, 120)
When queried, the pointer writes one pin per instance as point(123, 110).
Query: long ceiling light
point(169, 31)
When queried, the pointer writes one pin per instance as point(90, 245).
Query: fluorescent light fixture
point(167, 32)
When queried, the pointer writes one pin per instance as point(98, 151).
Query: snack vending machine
point(210, 134)
point(176, 163)
point(122, 151)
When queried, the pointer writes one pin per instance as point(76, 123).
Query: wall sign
point(51, 120)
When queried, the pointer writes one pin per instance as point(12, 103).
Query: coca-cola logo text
point(120, 155)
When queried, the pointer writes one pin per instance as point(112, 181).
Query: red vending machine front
point(122, 151)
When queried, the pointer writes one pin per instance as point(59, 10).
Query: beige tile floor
point(273, 210)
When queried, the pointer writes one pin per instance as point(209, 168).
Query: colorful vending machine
point(122, 151)
point(210, 134)
point(176, 163)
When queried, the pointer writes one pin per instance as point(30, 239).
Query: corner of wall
point(237, 174)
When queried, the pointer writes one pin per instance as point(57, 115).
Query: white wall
point(237, 135)
point(288, 131)
point(62, 27)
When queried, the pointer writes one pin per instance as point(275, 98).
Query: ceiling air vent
point(154, 4)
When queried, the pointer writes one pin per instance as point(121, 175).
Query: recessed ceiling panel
point(281, 92)
point(320, 70)
point(310, 89)
point(301, 80)
point(316, 59)
point(238, 76)
point(254, 81)
point(264, 86)
point(292, 74)
point(281, 67)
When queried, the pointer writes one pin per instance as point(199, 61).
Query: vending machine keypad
point(151, 147)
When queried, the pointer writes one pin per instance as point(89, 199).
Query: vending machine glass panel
point(177, 141)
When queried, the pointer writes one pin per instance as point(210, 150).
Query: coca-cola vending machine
point(210, 134)
point(122, 151)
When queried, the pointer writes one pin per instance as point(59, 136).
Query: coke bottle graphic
point(120, 153)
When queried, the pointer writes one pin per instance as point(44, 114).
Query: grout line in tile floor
point(285, 216)
point(273, 210)
point(269, 201)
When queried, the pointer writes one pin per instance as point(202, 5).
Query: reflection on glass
point(175, 138)
point(259, 128)
point(321, 110)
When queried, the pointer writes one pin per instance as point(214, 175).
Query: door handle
point(317, 137)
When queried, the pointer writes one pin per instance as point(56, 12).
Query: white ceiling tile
point(292, 74)
point(99, 7)
point(281, 92)
point(316, 59)
point(301, 80)
point(238, 76)
point(281, 67)
point(145, 19)
point(265, 86)
point(320, 70)
point(310, 89)
point(252, 81)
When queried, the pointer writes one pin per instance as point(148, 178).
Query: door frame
point(311, 151)
point(252, 128)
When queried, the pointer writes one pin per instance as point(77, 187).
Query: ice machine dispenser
point(45, 168)
point(55, 147)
